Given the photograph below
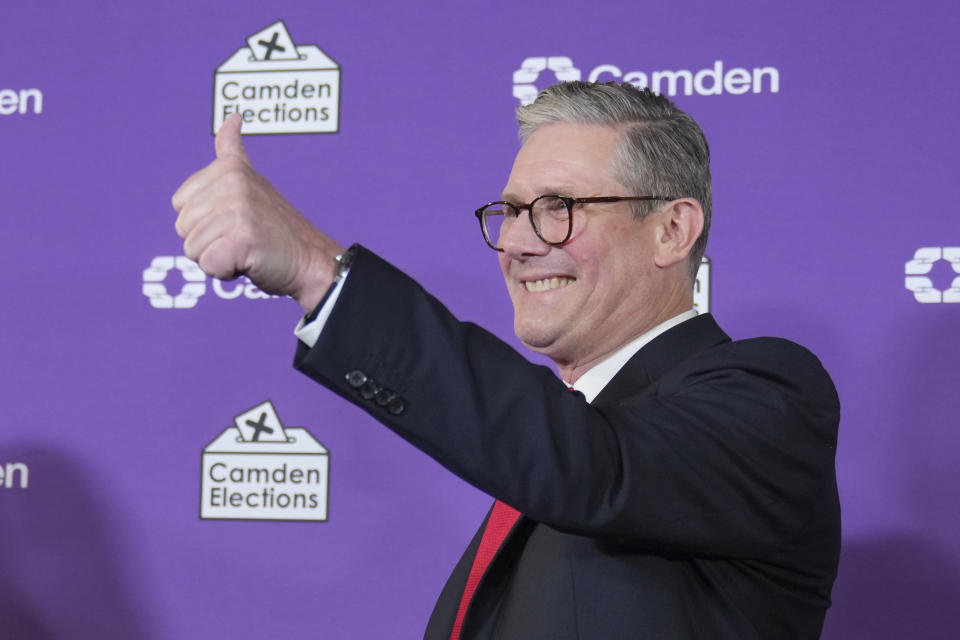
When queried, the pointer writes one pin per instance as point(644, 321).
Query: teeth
point(547, 283)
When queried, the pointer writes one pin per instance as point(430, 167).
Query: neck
point(571, 370)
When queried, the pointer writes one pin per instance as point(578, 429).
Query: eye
point(508, 210)
point(553, 203)
point(552, 206)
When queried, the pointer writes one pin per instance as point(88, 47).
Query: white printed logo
point(701, 287)
point(195, 284)
point(921, 285)
point(22, 101)
point(277, 86)
point(155, 289)
point(523, 78)
point(14, 475)
point(709, 81)
point(261, 470)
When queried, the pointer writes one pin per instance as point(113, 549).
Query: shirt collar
point(591, 383)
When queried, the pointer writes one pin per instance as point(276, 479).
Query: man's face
point(580, 302)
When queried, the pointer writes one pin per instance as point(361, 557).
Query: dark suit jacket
point(695, 498)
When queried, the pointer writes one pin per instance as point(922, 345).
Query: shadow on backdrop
point(61, 571)
point(894, 587)
point(908, 585)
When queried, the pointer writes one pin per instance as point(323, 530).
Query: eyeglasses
point(551, 217)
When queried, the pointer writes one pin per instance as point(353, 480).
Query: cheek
point(604, 271)
point(504, 264)
point(587, 257)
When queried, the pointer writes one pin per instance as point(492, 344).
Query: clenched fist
point(233, 222)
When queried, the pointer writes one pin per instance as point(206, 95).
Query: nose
point(519, 240)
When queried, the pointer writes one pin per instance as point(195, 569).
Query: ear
point(678, 227)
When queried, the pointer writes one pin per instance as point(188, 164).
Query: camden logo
point(278, 87)
point(708, 81)
point(163, 269)
point(259, 469)
point(561, 68)
point(918, 279)
point(20, 101)
point(14, 475)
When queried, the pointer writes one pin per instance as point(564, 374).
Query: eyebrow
point(552, 190)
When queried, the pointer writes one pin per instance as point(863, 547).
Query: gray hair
point(663, 151)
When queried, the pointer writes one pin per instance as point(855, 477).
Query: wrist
point(327, 266)
point(343, 261)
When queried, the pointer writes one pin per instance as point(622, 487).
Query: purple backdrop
point(825, 189)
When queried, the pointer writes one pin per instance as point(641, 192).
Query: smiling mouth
point(547, 283)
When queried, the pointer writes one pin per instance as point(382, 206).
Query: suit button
point(396, 405)
point(369, 390)
point(356, 378)
point(383, 397)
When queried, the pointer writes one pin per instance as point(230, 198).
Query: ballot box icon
point(278, 87)
point(260, 423)
point(247, 477)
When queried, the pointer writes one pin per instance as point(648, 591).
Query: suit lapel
point(660, 355)
point(483, 606)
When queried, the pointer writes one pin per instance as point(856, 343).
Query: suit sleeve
point(727, 454)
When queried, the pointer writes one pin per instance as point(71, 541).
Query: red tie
point(501, 520)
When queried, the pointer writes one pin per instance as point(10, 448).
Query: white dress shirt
point(591, 383)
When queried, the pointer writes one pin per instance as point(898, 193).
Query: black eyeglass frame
point(567, 200)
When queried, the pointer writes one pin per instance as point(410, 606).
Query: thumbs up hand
point(233, 222)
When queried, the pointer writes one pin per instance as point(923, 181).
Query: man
point(688, 489)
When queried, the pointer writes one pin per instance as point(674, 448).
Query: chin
point(538, 339)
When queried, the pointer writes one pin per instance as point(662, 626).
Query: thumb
point(228, 141)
